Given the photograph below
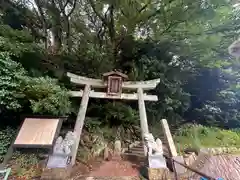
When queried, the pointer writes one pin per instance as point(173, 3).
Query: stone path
point(114, 170)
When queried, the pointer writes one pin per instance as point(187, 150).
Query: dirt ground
point(99, 169)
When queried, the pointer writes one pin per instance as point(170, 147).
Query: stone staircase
point(135, 153)
point(138, 149)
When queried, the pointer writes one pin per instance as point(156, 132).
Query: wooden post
point(168, 136)
point(80, 121)
point(143, 116)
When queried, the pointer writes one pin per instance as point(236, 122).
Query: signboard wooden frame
point(48, 146)
point(13, 147)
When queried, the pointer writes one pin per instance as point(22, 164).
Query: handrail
point(187, 167)
point(6, 172)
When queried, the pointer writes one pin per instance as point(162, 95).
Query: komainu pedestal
point(58, 167)
point(56, 173)
point(61, 155)
point(158, 174)
point(157, 163)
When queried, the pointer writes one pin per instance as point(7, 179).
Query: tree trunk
point(44, 23)
point(68, 32)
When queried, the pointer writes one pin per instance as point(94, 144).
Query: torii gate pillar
point(143, 116)
point(80, 120)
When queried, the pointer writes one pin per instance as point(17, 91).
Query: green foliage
point(121, 113)
point(114, 114)
point(25, 160)
point(93, 124)
point(15, 35)
point(18, 88)
point(184, 43)
point(16, 42)
point(198, 136)
point(46, 96)
point(158, 63)
point(11, 74)
point(219, 106)
point(6, 137)
point(25, 165)
point(113, 120)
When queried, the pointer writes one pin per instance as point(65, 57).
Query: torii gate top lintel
point(99, 83)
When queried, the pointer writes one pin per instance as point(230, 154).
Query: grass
point(25, 166)
point(198, 136)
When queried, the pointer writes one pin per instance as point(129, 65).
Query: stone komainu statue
point(64, 146)
point(68, 142)
point(154, 147)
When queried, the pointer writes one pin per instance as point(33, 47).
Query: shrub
point(25, 165)
point(10, 78)
point(16, 87)
point(6, 137)
point(46, 96)
point(198, 136)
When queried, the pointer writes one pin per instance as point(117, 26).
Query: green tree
point(18, 88)
point(177, 41)
point(11, 74)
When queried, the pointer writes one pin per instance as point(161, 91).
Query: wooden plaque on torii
point(114, 81)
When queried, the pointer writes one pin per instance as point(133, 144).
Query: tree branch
point(97, 13)
point(111, 23)
point(145, 6)
point(123, 12)
point(34, 9)
point(63, 6)
point(157, 11)
point(73, 8)
point(170, 26)
point(44, 22)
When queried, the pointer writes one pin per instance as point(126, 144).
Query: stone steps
point(132, 154)
point(135, 158)
point(136, 150)
point(139, 150)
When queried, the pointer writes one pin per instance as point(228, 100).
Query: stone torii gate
point(114, 82)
